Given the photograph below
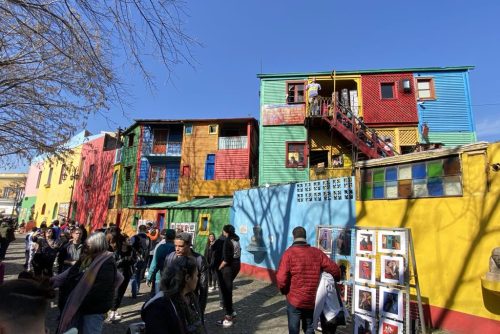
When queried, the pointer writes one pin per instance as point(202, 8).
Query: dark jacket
point(99, 300)
point(125, 261)
point(217, 252)
point(202, 266)
point(299, 273)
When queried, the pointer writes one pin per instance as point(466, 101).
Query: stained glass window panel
point(404, 172)
point(434, 169)
point(391, 174)
point(418, 171)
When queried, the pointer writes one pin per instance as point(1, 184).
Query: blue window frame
point(188, 129)
point(210, 167)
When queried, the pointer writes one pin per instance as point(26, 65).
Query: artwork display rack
point(378, 275)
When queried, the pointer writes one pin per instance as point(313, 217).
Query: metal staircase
point(342, 119)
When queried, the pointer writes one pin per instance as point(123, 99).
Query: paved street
point(261, 308)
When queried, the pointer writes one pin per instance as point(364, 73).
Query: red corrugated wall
point(231, 164)
point(398, 111)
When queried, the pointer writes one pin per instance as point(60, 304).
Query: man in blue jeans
point(298, 276)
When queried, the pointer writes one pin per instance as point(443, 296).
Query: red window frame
point(299, 163)
point(295, 92)
point(394, 90)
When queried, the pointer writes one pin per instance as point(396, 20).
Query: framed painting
point(365, 242)
point(392, 242)
point(387, 326)
point(325, 239)
point(345, 269)
point(365, 300)
point(342, 241)
point(364, 325)
point(365, 270)
point(390, 302)
point(392, 269)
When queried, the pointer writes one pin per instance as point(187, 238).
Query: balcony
point(165, 187)
point(170, 149)
point(233, 143)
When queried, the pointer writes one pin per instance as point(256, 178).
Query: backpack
point(142, 245)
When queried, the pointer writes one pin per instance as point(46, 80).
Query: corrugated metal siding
point(400, 110)
point(452, 138)
point(273, 91)
point(272, 154)
point(451, 110)
point(231, 164)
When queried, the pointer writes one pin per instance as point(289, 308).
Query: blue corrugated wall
point(449, 116)
point(279, 209)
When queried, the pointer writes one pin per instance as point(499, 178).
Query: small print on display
point(387, 326)
point(392, 242)
point(364, 325)
point(365, 242)
point(345, 269)
point(325, 239)
point(364, 300)
point(342, 242)
point(365, 270)
point(392, 269)
point(391, 303)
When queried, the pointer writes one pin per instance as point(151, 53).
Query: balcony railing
point(172, 149)
point(164, 187)
point(232, 143)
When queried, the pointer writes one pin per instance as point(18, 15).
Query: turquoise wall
point(279, 209)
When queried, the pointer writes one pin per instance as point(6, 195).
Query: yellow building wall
point(321, 140)
point(195, 148)
point(401, 136)
point(128, 214)
point(339, 78)
point(207, 188)
point(453, 237)
point(113, 213)
point(55, 192)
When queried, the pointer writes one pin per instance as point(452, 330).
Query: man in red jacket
point(298, 277)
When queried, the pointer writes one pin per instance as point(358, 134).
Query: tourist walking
point(298, 276)
point(175, 308)
point(141, 244)
point(88, 288)
point(183, 243)
point(209, 256)
point(162, 250)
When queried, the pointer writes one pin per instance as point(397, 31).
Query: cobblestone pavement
point(260, 306)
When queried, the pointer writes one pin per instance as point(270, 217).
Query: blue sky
point(241, 37)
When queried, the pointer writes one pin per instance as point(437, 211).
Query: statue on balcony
point(494, 273)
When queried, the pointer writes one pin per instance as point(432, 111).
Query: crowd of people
point(92, 272)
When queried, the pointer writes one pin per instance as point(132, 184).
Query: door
point(160, 141)
point(161, 220)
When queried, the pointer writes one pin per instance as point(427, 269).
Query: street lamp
point(73, 176)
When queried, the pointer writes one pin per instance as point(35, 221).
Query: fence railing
point(172, 149)
point(231, 143)
point(163, 187)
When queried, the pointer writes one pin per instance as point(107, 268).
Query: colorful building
point(170, 160)
point(447, 197)
point(354, 116)
point(27, 212)
point(55, 181)
point(91, 194)
point(11, 193)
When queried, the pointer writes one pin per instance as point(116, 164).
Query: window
point(131, 139)
point(188, 129)
point(7, 191)
point(39, 179)
point(49, 178)
point(432, 178)
point(111, 202)
point(204, 224)
point(128, 173)
point(64, 174)
point(425, 89)
point(118, 156)
point(295, 92)
point(212, 129)
point(114, 182)
point(186, 170)
point(90, 176)
point(387, 90)
point(43, 209)
point(295, 154)
point(210, 167)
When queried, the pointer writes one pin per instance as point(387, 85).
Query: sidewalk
point(260, 306)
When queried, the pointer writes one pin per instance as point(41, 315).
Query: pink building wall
point(30, 189)
point(91, 193)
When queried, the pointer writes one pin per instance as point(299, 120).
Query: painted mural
point(265, 217)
